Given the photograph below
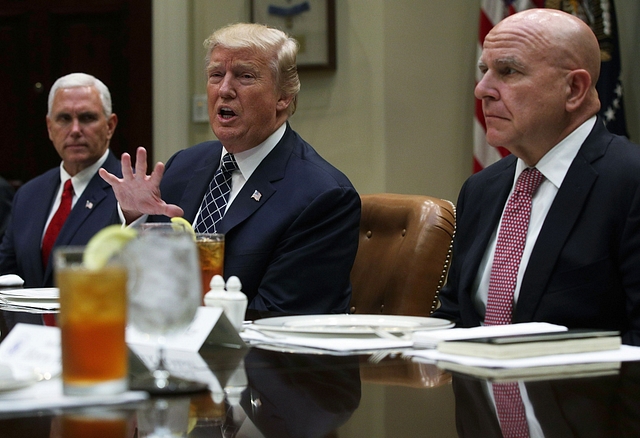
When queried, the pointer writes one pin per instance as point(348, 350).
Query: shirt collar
point(249, 160)
point(554, 165)
point(81, 179)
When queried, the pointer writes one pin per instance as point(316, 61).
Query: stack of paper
point(431, 339)
point(526, 350)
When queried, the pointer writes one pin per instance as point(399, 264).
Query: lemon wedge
point(105, 244)
point(181, 224)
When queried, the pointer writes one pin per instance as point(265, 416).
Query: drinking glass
point(211, 252)
point(93, 314)
point(164, 293)
point(166, 418)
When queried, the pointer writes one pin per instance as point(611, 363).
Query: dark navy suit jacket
point(20, 248)
point(293, 245)
point(6, 199)
point(584, 270)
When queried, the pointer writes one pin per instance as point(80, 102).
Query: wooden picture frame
point(311, 22)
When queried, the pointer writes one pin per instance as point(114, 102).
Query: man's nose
point(75, 125)
point(484, 88)
point(227, 87)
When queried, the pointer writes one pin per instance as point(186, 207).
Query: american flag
point(601, 17)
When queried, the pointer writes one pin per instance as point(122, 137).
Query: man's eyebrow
point(235, 66)
point(509, 60)
point(65, 113)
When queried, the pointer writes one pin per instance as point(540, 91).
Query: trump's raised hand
point(139, 193)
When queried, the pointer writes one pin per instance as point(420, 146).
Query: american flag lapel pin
point(256, 196)
point(88, 205)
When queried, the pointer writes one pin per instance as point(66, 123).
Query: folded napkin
point(11, 280)
point(338, 344)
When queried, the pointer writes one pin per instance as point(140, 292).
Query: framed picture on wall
point(312, 23)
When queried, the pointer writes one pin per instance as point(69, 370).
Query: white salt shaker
point(232, 300)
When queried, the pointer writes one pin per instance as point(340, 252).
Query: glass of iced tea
point(92, 320)
point(211, 251)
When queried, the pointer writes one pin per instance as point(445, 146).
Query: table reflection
point(95, 423)
point(299, 395)
point(605, 406)
point(259, 393)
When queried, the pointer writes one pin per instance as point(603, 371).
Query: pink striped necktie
point(502, 283)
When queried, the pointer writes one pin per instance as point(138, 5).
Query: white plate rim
point(27, 302)
point(35, 293)
point(392, 323)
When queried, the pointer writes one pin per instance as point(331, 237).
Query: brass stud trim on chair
point(445, 269)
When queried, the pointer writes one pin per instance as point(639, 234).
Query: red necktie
point(50, 236)
point(502, 284)
point(57, 221)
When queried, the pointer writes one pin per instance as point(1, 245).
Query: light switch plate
point(199, 113)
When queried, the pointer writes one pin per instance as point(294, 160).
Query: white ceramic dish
point(350, 324)
point(32, 294)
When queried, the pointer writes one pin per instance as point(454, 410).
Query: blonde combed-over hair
point(267, 41)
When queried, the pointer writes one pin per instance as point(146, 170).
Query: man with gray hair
point(290, 218)
point(66, 205)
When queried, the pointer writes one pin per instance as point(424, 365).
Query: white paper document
point(35, 347)
point(431, 338)
point(625, 353)
point(328, 343)
point(48, 395)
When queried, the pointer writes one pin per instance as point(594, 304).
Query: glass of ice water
point(164, 294)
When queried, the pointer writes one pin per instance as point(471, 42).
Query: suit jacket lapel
point(492, 202)
point(92, 196)
point(95, 192)
point(41, 213)
point(198, 185)
point(271, 169)
point(559, 222)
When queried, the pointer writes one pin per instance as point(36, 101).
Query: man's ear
point(283, 103)
point(112, 122)
point(579, 84)
point(48, 119)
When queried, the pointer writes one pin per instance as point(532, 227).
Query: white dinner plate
point(52, 305)
point(32, 294)
point(350, 324)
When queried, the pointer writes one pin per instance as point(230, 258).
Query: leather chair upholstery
point(403, 255)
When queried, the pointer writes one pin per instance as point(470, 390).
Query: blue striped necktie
point(215, 201)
